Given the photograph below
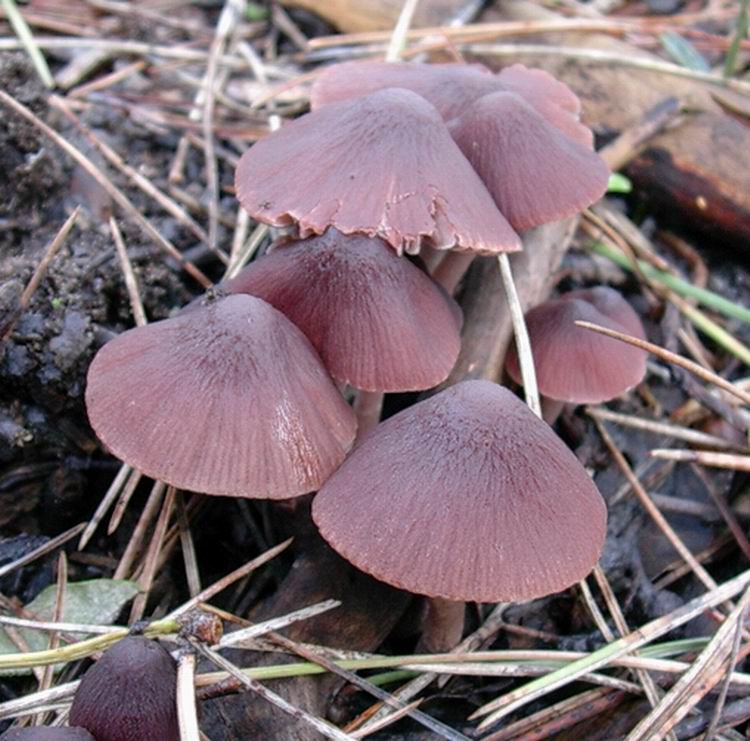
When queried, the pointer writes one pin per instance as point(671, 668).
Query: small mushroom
point(534, 172)
point(129, 694)
point(466, 496)
point(47, 733)
point(574, 365)
point(382, 165)
point(229, 399)
point(377, 321)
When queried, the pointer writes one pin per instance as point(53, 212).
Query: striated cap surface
point(381, 165)
point(227, 399)
point(129, 694)
point(535, 173)
point(576, 365)
point(378, 322)
point(465, 496)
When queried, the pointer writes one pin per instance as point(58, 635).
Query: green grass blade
point(26, 37)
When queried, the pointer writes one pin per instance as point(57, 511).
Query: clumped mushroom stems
point(130, 693)
point(574, 366)
point(466, 496)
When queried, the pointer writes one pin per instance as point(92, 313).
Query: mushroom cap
point(378, 322)
point(576, 365)
point(539, 86)
point(465, 496)
point(453, 87)
point(449, 87)
point(381, 165)
point(535, 173)
point(228, 399)
point(47, 733)
point(130, 693)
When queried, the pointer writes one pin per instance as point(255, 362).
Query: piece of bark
point(380, 15)
point(699, 171)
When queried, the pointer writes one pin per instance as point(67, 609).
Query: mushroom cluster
point(237, 396)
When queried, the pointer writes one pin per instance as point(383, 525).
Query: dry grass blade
point(131, 284)
point(239, 637)
point(503, 706)
point(43, 550)
point(187, 712)
point(55, 625)
point(705, 672)
point(26, 37)
point(660, 428)
point(114, 193)
point(671, 357)
point(41, 269)
point(125, 495)
point(106, 502)
point(231, 578)
point(187, 546)
point(32, 703)
point(326, 729)
point(387, 720)
point(398, 38)
point(705, 458)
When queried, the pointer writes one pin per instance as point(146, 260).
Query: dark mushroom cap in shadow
point(382, 165)
point(466, 496)
point(47, 733)
point(378, 322)
point(129, 694)
point(576, 365)
point(227, 399)
point(535, 173)
point(451, 88)
point(448, 87)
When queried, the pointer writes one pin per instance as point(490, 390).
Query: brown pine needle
point(705, 458)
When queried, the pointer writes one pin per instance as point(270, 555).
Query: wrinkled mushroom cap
point(382, 165)
point(535, 173)
point(129, 694)
point(378, 322)
point(448, 87)
point(227, 399)
point(576, 365)
point(465, 496)
point(47, 733)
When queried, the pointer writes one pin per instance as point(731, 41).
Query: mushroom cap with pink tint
point(535, 173)
point(453, 87)
point(378, 322)
point(382, 165)
point(576, 365)
point(449, 87)
point(466, 496)
point(228, 399)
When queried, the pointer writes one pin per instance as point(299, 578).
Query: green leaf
point(619, 184)
point(683, 52)
point(95, 602)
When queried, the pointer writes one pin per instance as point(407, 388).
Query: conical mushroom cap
point(130, 693)
point(449, 87)
point(576, 365)
point(47, 733)
point(378, 322)
point(535, 173)
point(382, 165)
point(228, 399)
point(465, 496)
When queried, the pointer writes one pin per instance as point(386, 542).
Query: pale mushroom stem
point(442, 625)
point(449, 271)
point(368, 406)
point(551, 410)
point(523, 346)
